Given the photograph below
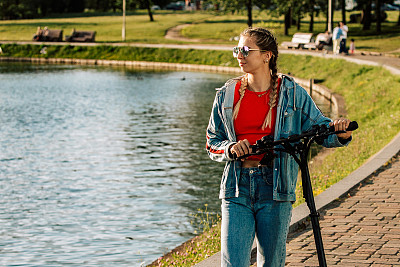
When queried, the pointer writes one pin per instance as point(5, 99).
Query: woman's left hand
point(341, 125)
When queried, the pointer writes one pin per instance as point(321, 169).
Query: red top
point(251, 116)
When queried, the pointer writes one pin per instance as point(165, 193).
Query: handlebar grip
point(352, 126)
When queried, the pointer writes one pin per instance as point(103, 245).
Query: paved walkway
point(389, 62)
point(361, 229)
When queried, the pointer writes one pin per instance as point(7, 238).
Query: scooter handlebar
point(352, 126)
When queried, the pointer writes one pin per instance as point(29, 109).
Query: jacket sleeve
point(218, 142)
point(312, 115)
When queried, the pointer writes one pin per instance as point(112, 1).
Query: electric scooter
point(298, 146)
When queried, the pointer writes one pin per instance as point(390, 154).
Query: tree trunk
point(298, 20)
point(378, 16)
point(327, 20)
point(311, 29)
point(149, 10)
point(343, 2)
point(287, 21)
point(398, 21)
point(249, 15)
point(366, 20)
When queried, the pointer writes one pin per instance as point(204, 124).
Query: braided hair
point(265, 40)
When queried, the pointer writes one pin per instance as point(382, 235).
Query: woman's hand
point(240, 148)
point(341, 125)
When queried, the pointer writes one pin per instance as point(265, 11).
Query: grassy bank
point(190, 56)
point(371, 94)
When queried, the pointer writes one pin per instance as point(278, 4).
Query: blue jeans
point(254, 213)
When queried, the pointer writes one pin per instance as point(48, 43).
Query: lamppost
point(123, 19)
point(329, 16)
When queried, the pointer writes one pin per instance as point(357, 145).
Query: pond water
point(102, 166)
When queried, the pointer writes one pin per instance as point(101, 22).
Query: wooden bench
point(81, 36)
point(299, 39)
point(47, 35)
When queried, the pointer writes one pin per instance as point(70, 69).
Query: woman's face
point(254, 62)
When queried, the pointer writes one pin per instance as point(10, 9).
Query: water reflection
point(102, 166)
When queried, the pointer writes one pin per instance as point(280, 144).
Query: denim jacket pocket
point(288, 120)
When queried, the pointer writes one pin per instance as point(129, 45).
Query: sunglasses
point(245, 50)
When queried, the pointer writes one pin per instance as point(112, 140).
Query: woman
point(257, 200)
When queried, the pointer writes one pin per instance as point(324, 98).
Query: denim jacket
point(296, 113)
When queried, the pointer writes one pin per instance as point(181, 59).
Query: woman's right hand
point(240, 148)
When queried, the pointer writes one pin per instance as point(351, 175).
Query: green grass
point(140, 29)
point(227, 26)
point(108, 28)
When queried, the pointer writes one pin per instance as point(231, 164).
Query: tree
point(147, 5)
point(311, 11)
point(366, 15)
point(343, 7)
point(284, 8)
point(249, 6)
point(398, 21)
point(236, 6)
point(378, 16)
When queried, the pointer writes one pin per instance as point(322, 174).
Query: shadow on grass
point(50, 25)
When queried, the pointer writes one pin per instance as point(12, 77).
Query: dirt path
point(174, 33)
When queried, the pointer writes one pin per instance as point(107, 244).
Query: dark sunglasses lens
point(236, 51)
point(244, 50)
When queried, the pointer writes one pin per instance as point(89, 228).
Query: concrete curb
point(342, 187)
point(134, 64)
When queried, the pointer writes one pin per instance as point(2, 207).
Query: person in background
point(336, 36)
point(343, 47)
point(323, 39)
point(257, 199)
point(352, 46)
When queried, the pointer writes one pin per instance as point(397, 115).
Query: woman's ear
point(269, 55)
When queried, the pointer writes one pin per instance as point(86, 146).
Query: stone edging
point(133, 64)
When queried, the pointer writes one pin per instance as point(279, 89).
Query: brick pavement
point(362, 229)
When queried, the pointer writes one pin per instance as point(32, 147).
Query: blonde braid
point(273, 94)
point(242, 90)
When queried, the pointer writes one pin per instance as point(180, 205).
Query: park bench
point(81, 36)
point(48, 35)
point(299, 39)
